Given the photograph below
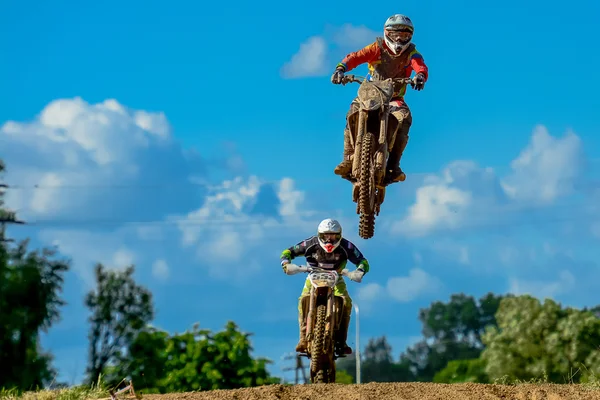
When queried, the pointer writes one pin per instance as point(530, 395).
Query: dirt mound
point(394, 391)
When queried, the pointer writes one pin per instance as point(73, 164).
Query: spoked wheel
point(321, 370)
point(368, 194)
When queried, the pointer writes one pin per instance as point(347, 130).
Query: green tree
point(30, 287)
point(377, 364)
point(145, 360)
point(200, 360)
point(452, 331)
point(342, 376)
point(194, 360)
point(459, 371)
point(120, 310)
point(31, 282)
point(535, 339)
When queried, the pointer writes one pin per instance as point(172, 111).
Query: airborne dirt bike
point(323, 315)
point(372, 144)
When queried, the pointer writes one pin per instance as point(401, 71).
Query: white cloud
point(315, 55)
point(547, 168)
point(123, 258)
point(544, 288)
point(89, 167)
point(403, 289)
point(44, 201)
point(369, 292)
point(310, 60)
point(353, 37)
point(436, 206)
point(160, 269)
point(75, 157)
point(239, 216)
point(290, 199)
point(466, 195)
point(407, 288)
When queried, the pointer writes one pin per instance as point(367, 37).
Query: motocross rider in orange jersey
point(393, 56)
point(328, 250)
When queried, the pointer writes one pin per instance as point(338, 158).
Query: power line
point(218, 185)
point(178, 184)
point(258, 220)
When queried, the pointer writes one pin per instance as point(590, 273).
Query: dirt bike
point(371, 148)
point(322, 320)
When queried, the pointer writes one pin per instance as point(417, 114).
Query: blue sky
point(199, 141)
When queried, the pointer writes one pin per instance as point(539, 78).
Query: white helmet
point(330, 234)
point(398, 32)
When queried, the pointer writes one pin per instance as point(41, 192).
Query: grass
point(74, 393)
point(94, 391)
point(99, 390)
point(590, 382)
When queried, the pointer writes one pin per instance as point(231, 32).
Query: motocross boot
point(301, 346)
point(341, 347)
point(344, 168)
point(395, 173)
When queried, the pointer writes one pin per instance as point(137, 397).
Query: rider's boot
point(393, 165)
point(344, 168)
point(342, 347)
point(301, 346)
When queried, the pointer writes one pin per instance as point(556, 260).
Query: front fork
point(330, 323)
point(383, 151)
point(360, 132)
point(381, 155)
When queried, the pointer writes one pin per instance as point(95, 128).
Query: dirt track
point(393, 391)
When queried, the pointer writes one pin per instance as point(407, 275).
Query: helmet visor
point(399, 36)
point(330, 237)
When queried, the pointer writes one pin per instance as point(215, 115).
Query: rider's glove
point(284, 264)
point(338, 75)
point(419, 81)
point(356, 275)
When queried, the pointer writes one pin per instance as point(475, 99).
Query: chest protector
point(391, 66)
point(329, 260)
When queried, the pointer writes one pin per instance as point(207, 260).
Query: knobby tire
point(366, 224)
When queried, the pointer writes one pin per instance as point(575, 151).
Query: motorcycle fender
point(360, 131)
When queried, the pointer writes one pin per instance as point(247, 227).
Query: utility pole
point(357, 343)
point(6, 217)
point(299, 367)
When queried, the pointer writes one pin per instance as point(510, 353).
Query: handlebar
point(359, 79)
point(293, 269)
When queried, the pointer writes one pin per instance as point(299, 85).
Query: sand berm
point(394, 391)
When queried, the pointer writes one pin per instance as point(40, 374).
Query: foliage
point(458, 371)
point(451, 331)
point(498, 338)
point(30, 287)
point(343, 377)
point(377, 364)
point(120, 310)
point(534, 339)
point(194, 360)
point(95, 391)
